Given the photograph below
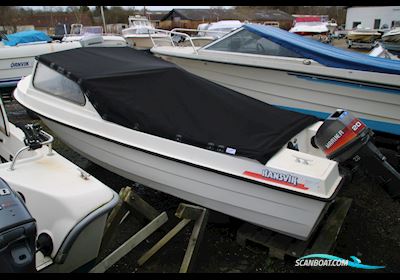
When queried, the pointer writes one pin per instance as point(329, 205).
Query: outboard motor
point(347, 140)
point(17, 233)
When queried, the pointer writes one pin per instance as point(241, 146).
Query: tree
point(8, 17)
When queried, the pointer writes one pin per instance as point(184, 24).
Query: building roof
point(201, 14)
point(221, 14)
point(273, 15)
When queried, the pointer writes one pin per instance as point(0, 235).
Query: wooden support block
point(114, 218)
point(131, 243)
point(194, 242)
point(163, 241)
point(330, 229)
point(187, 211)
point(141, 206)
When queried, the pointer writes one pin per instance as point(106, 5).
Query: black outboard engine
point(17, 233)
point(347, 140)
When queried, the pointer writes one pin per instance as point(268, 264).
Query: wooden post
point(115, 217)
point(163, 241)
point(131, 243)
point(194, 242)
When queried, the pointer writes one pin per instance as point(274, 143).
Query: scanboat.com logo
point(329, 260)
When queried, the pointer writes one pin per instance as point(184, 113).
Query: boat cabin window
point(248, 42)
point(54, 83)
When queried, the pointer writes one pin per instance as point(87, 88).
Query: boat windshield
point(54, 83)
point(248, 42)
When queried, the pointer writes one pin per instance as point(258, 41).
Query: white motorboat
point(137, 34)
point(312, 27)
point(205, 32)
point(94, 36)
point(17, 59)
point(188, 137)
point(57, 224)
point(391, 40)
point(296, 73)
point(392, 36)
point(362, 37)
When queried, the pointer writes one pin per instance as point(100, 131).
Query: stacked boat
point(153, 122)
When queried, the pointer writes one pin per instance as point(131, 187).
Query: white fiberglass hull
point(52, 188)
point(392, 36)
point(143, 41)
point(363, 37)
point(286, 213)
point(311, 89)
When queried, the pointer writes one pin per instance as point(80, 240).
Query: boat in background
point(17, 55)
point(137, 34)
point(93, 36)
point(296, 73)
point(312, 27)
point(392, 36)
point(16, 60)
point(362, 37)
point(391, 40)
point(206, 32)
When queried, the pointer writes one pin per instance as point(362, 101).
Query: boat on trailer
point(52, 214)
point(296, 73)
point(154, 123)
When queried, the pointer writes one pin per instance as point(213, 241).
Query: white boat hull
point(287, 213)
point(297, 91)
point(143, 42)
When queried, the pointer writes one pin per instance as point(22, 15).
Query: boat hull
point(302, 92)
point(362, 38)
point(290, 214)
point(143, 42)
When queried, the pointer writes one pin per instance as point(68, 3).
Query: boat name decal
point(277, 177)
point(334, 138)
point(19, 64)
point(280, 176)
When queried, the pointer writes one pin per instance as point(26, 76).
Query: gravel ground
point(371, 231)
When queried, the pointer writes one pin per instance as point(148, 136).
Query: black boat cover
point(139, 91)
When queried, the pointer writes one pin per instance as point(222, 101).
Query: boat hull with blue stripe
point(297, 73)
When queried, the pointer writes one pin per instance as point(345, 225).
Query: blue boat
point(298, 73)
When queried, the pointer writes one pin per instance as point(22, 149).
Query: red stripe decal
point(259, 176)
